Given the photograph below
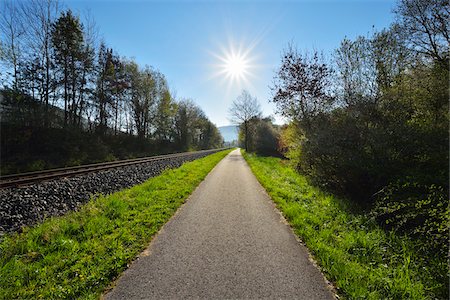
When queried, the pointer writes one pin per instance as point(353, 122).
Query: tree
point(426, 24)
point(164, 117)
point(186, 125)
point(12, 29)
point(192, 129)
point(104, 90)
point(266, 137)
point(140, 84)
point(149, 96)
point(355, 72)
point(67, 39)
point(300, 88)
point(242, 110)
point(210, 136)
point(390, 57)
point(88, 74)
point(38, 18)
point(111, 89)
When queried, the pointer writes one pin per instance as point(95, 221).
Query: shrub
point(421, 211)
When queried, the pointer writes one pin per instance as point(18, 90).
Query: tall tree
point(426, 23)
point(183, 124)
point(142, 91)
point(149, 95)
point(164, 117)
point(355, 72)
point(189, 125)
point(210, 135)
point(38, 17)
point(242, 110)
point(67, 39)
point(114, 77)
point(12, 29)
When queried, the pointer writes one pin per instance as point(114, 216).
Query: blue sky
point(185, 39)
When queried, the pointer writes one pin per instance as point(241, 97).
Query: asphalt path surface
point(227, 241)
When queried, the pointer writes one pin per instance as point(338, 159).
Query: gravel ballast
point(31, 204)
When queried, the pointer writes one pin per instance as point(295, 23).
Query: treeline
point(256, 132)
point(372, 124)
point(56, 74)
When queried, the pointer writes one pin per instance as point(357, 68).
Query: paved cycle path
point(227, 241)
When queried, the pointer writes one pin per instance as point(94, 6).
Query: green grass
point(362, 260)
point(78, 255)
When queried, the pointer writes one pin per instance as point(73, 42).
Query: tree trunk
point(246, 135)
point(47, 70)
point(66, 92)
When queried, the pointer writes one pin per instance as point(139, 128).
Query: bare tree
point(426, 23)
point(38, 17)
point(87, 88)
point(243, 109)
point(12, 30)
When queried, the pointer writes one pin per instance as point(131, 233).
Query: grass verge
point(362, 260)
point(79, 254)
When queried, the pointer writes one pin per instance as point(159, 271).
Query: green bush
point(26, 149)
point(421, 211)
point(36, 165)
point(262, 138)
point(266, 139)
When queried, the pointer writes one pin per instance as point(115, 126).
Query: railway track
point(32, 177)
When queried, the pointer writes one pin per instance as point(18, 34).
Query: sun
point(235, 66)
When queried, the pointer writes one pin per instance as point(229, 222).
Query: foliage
point(384, 141)
point(193, 129)
point(300, 86)
point(109, 89)
point(290, 142)
point(256, 134)
point(418, 210)
point(68, 44)
point(210, 135)
point(266, 138)
point(165, 118)
point(26, 149)
point(262, 136)
point(78, 255)
point(358, 256)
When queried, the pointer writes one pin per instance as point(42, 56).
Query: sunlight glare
point(235, 66)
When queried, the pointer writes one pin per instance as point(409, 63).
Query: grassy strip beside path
point(361, 259)
point(79, 254)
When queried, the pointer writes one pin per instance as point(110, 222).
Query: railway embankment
point(30, 204)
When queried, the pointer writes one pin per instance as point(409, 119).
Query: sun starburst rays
point(235, 66)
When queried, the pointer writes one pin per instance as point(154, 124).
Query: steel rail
point(31, 177)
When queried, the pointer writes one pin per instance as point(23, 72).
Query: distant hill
point(229, 133)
